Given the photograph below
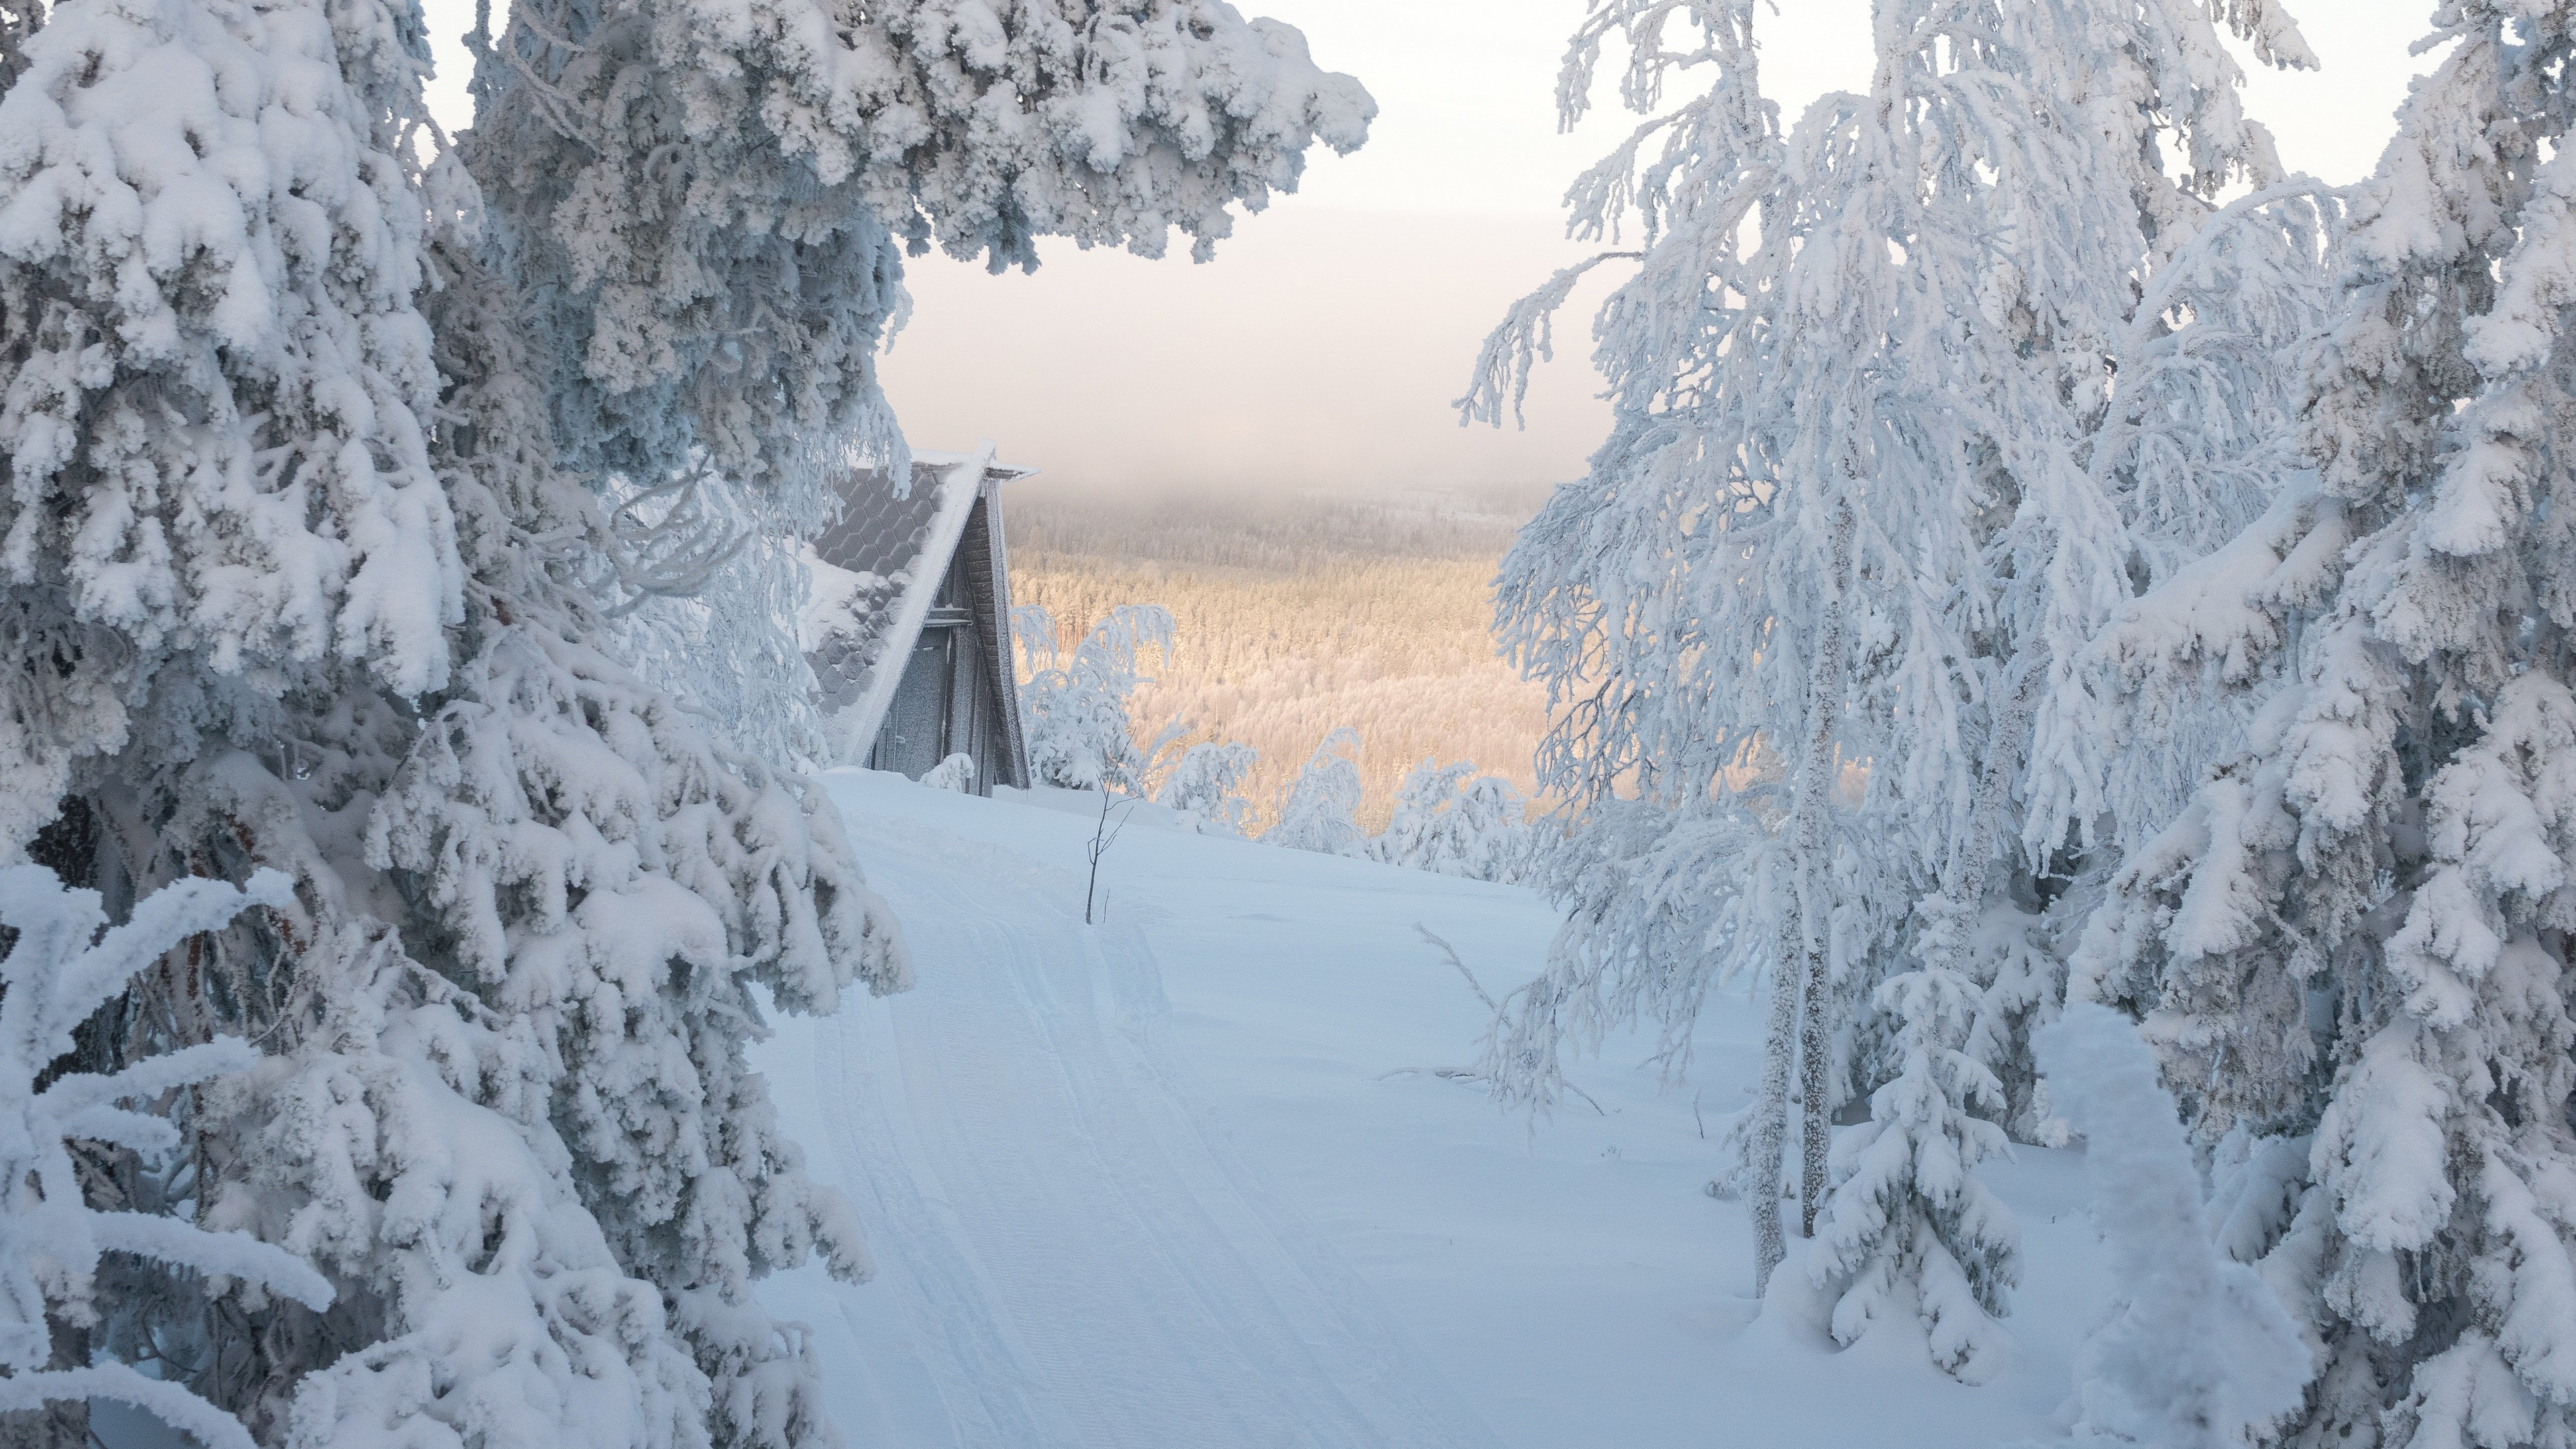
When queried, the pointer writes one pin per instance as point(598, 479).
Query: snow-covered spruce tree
point(1315, 810)
point(2350, 948)
point(1868, 491)
point(1079, 731)
point(229, 570)
point(253, 587)
point(269, 613)
point(1205, 786)
point(588, 855)
point(1451, 820)
point(62, 965)
point(216, 380)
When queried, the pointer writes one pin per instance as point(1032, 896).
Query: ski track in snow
point(1070, 1254)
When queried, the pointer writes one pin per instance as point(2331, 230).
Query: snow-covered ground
point(1189, 1180)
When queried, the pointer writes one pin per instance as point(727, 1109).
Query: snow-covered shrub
point(1205, 786)
point(957, 772)
point(2197, 1349)
point(1315, 811)
point(1079, 733)
point(1454, 821)
point(63, 964)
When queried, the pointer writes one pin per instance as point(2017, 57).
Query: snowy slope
point(1167, 1181)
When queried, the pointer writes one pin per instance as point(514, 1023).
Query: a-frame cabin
point(910, 629)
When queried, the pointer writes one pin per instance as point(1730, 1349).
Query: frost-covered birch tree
point(1081, 734)
point(314, 429)
point(2350, 947)
point(1451, 820)
point(1896, 402)
point(1314, 811)
point(1204, 787)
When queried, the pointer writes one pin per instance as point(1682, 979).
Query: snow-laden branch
point(1525, 338)
point(64, 964)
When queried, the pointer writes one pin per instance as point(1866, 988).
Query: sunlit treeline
point(1297, 614)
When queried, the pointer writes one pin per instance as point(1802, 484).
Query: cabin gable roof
point(878, 571)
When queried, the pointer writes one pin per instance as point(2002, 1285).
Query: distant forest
point(1296, 613)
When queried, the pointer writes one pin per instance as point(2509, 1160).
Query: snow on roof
point(998, 472)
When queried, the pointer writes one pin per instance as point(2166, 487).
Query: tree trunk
point(1814, 848)
point(1779, 1044)
point(1809, 948)
point(1963, 883)
point(1801, 976)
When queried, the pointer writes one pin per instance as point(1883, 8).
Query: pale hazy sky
point(1321, 347)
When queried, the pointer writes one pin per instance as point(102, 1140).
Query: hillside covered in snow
point(1194, 1177)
